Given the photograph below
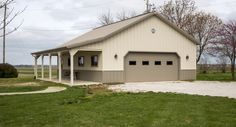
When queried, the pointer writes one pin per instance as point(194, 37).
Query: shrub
point(8, 71)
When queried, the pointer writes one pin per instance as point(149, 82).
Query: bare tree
point(202, 28)
point(200, 25)
point(7, 19)
point(125, 15)
point(223, 62)
point(178, 12)
point(106, 18)
point(122, 15)
point(204, 65)
point(225, 44)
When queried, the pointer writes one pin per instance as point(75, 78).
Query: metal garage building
point(145, 48)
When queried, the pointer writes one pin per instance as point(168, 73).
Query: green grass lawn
point(17, 84)
point(214, 76)
point(6, 81)
point(102, 108)
point(25, 76)
point(20, 89)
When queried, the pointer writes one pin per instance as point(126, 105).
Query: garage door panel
point(151, 72)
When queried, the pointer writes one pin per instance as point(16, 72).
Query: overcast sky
point(49, 23)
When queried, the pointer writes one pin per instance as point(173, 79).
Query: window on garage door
point(157, 62)
point(132, 63)
point(145, 63)
point(169, 63)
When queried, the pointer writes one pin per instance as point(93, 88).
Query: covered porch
point(70, 65)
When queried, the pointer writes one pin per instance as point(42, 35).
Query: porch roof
point(61, 49)
point(54, 50)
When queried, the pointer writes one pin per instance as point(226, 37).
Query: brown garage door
point(151, 67)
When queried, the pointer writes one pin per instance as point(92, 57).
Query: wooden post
point(42, 67)
point(72, 69)
point(50, 66)
point(59, 66)
point(36, 67)
point(72, 54)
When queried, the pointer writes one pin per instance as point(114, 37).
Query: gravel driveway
point(222, 89)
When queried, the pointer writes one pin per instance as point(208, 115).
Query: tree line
point(217, 38)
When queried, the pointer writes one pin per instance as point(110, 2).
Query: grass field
point(102, 108)
point(98, 107)
point(29, 72)
point(215, 76)
point(25, 76)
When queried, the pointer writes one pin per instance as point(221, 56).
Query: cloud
point(20, 44)
point(49, 23)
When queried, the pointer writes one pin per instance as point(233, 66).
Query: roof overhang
point(50, 51)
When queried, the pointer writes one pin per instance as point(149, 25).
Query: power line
point(218, 3)
point(83, 7)
point(43, 29)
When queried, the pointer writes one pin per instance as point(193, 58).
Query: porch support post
point(72, 53)
point(50, 66)
point(72, 69)
point(36, 66)
point(59, 66)
point(42, 67)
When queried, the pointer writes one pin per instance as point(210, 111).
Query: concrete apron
point(76, 82)
point(204, 88)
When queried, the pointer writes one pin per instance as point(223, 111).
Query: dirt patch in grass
point(97, 90)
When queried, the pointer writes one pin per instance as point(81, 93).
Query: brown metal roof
point(107, 31)
point(104, 32)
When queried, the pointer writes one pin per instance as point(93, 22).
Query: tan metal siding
point(188, 75)
point(113, 77)
point(95, 76)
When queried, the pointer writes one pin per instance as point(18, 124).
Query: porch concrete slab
point(209, 88)
point(76, 82)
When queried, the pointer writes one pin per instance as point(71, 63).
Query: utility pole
point(4, 33)
point(147, 6)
